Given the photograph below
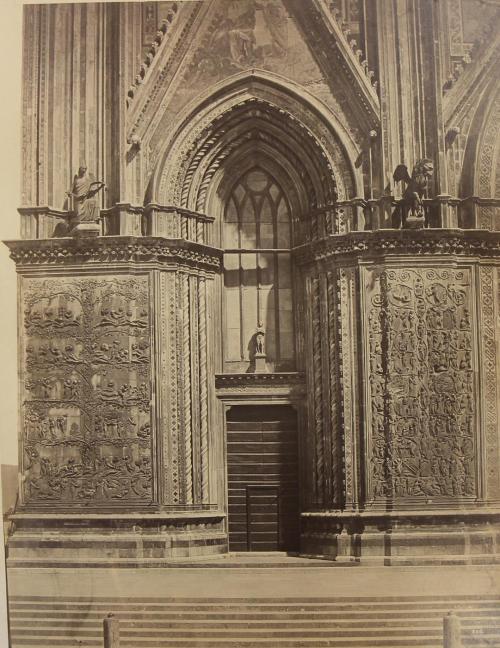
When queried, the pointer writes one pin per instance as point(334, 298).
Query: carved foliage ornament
point(86, 410)
point(421, 393)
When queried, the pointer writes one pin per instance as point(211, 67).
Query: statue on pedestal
point(260, 352)
point(410, 212)
point(259, 342)
point(83, 192)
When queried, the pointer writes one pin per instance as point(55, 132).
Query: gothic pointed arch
point(256, 112)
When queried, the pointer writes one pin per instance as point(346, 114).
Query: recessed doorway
point(263, 491)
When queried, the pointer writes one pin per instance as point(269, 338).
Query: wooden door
point(262, 478)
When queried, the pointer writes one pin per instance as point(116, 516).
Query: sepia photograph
point(250, 359)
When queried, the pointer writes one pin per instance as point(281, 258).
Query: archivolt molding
point(197, 128)
point(487, 177)
point(255, 132)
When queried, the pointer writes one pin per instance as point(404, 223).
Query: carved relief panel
point(421, 396)
point(86, 428)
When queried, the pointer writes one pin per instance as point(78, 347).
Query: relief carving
point(421, 384)
point(87, 429)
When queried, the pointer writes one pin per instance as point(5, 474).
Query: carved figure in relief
point(49, 319)
point(64, 443)
point(465, 320)
point(410, 211)
point(84, 191)
point(120, 317)
point(71, 389)
point(139, 351)
point(144, 431)
point(108, 392)
point(422, 415)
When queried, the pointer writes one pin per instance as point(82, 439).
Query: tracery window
point(257, 273)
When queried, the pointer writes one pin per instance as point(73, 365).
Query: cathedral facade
point(259, 281)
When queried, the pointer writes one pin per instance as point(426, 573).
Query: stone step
point(244, 623)
point(303, 642)
point(216, 606)
point(303, 600)
point(480, 616)
point(343, 622)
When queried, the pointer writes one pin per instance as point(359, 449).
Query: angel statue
point(410, 212)
point(84, 190)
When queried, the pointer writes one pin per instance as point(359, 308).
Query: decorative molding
point(283, 379)
point(272, 387)
point(264, 92)
point(145, 109)
point(335, 357)
point(331, 44)
point(347, 367)
point(203, 379)
point(488, 168)
point(489, 377)
point(113, 249)
point(425, 242)
point(185, 392)
point(318, 418)
point(153, 51)
point(175, 181)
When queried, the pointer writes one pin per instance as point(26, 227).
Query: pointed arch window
point(257, 273)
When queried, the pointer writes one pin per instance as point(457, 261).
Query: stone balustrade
point(353, 215)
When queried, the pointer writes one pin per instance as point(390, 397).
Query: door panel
point(262, 478)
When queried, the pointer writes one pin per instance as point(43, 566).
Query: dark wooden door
point(262, 478)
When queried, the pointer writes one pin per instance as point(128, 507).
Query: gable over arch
point(255, 110)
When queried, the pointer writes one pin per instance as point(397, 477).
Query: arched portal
point(248, 109)
point(265, 167)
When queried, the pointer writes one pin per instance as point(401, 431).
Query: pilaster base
point(393, 538)
point(88, 540)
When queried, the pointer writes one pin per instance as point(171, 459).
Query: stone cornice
point(424, 242)
point(276, 378)
point(288, 385)
point(113, 249)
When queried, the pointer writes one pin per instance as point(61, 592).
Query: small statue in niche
point(83, 192)
point(259, 358)
point(410, 212)
point(259, 342)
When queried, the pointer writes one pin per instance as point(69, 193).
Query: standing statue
point(84, 191)
point(410, 212)
point(259, 357)
point(259, 342)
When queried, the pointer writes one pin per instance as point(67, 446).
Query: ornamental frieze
point(381, 242)
point(111, 249)
point(86, 404)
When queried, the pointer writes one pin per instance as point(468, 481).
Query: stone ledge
point(424, 242)
point(113, 249)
